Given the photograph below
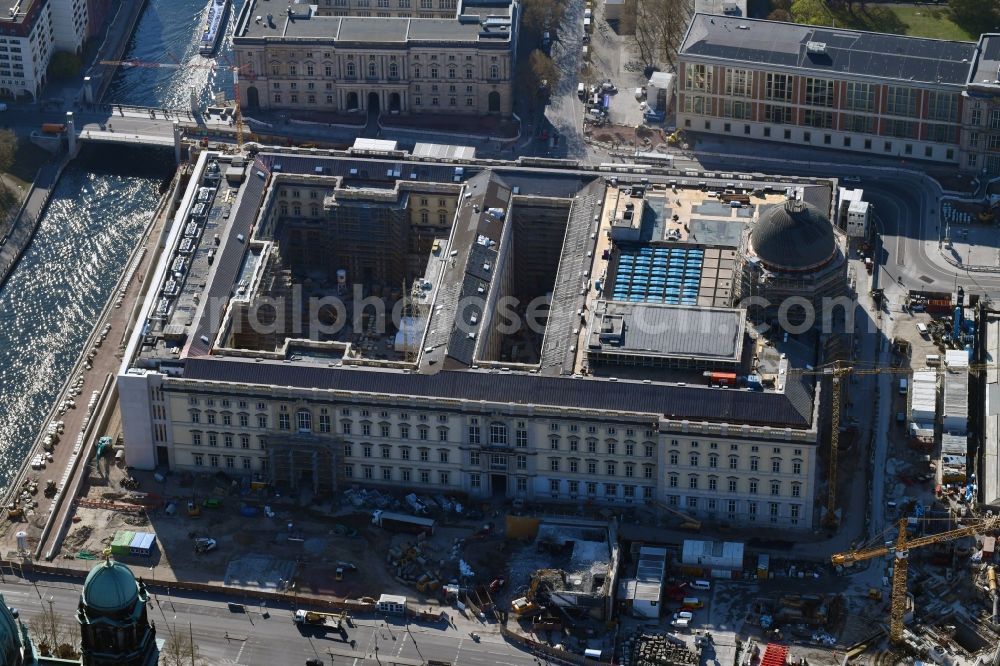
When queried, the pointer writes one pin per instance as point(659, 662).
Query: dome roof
point(110, 587)
point(10, 635)
point(794, 236)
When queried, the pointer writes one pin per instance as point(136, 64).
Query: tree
point(659, 28)
point(8, 149)
point(975, 15)
point(540, 15)
point(813, 12)
point(543, 69)
point(65, 65)
point(56, 636)
point(779, 15)
point(180, 650)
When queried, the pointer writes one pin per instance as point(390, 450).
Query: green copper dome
point(110, 587)
point(10, 636)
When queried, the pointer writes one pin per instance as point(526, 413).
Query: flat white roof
point(384, 145)
point(392, 599)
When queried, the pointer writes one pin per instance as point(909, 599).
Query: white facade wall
point(25, 59)
point(739, 475)
point(69, 24)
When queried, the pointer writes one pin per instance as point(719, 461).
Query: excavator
point(528, 606)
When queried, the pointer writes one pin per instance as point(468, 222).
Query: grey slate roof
point(229, 259)
point(791, 409)
point(850, 52)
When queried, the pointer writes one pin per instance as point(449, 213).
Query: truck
point(400, 522)
point(53, 128)
point(332, 620)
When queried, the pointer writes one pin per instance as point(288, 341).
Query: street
point(227, 637)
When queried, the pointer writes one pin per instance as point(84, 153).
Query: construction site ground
point(304, 543)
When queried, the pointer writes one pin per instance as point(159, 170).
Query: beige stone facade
point(346, 59)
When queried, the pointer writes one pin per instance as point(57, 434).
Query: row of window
point(402, 4)
point(405, 475)
point(228, 439)
point(385, 452)
point(372, 71)
point(733, 508)
point(732, 485)
point(847, 141)
point(820, 92)
point(694, 460)
point(607, 490)
point(227, 462)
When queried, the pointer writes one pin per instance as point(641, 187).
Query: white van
point(581, 90)
point(933, 359)
point(922, 328)
point(700, 585)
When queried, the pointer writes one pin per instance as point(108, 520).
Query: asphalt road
point(249, 638)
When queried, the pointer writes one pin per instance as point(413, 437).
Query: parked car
point(701, 585)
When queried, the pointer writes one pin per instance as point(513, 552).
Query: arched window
point(494, 72)
point(372, 70)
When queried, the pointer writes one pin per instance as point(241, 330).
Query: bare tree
point(8, 149)
point(56, 635)
point(180, 650)
point(543, 69)
point(539, 15)
point(659, 27)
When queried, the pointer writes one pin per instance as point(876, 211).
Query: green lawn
point(928, 21)
point(916, 20)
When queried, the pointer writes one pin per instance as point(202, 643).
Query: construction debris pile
point(652, 648)
point(437, 506)
point(804, 612)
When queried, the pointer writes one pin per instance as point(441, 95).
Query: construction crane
point(235, 69)
point(838, 371)
point(900, 550)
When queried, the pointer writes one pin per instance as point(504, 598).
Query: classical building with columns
point(438, 57)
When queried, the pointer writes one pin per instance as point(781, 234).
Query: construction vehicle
point(837, 371)
point(204, 545)
point(528, 605)
point(332, 620)
point(900, 550)
point(14, 512)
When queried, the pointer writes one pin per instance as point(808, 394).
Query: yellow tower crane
point(900, 551)
point(838, 371)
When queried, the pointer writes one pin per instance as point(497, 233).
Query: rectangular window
point(739, 83)
point(696, 104)
point(863, 124)
point(903, 129)
point(942, 133)
point(821, 119)
point(698, 77)
point(777, 87)
point(860, 97)
point(819, 92)
point(901, 101)
point(736, 109)
point(781, 115)
point(942, 106)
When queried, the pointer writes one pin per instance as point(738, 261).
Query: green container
point(122, 542)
